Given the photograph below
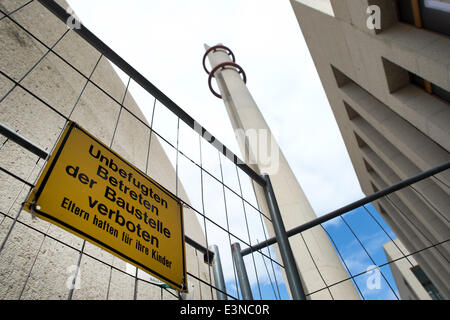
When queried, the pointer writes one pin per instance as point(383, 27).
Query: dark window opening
point(427, 284)
point(429, 87)
point(375, 189)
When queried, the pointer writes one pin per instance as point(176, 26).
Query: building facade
point(385, 68)
point(39, 260)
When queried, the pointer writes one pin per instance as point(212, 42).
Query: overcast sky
point(164, 41)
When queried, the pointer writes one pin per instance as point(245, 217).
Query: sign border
point(46, 173)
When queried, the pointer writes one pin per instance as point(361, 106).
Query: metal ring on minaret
point(223, 66)
point(215, 48)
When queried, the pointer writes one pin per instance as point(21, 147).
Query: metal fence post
point(218, 274)
point(241, 272)
point(292, 274)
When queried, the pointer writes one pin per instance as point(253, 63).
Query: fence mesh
point(49, 75)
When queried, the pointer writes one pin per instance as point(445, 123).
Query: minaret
point(295, 208)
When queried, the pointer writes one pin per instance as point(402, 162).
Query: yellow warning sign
point(89, 190)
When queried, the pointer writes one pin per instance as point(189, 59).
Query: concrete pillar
point(294, 206)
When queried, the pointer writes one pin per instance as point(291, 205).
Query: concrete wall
point(34, 265)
